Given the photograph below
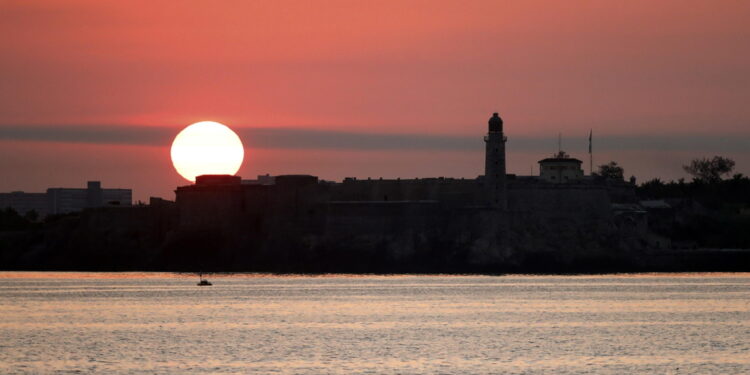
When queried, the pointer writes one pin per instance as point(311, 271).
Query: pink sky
point(637, 69)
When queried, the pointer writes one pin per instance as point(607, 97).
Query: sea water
point(133, 323)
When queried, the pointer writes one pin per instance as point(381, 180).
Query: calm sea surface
point(163, 323)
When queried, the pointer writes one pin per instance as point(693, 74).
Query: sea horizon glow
point(207, 147)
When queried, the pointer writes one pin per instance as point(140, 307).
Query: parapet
point(217, 179)
point(296, 180)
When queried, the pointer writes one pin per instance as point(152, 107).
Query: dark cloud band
point(294, 138)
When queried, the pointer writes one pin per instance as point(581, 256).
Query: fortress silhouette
point(560, 221)
point(493, 219)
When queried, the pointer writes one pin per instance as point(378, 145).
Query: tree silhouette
point(611, 170)
point(709, 170)
point(32, 216)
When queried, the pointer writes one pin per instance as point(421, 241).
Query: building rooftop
point(561, 156)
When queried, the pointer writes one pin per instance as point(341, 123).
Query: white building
point(560, 169)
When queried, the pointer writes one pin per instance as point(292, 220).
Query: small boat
point(203, 281)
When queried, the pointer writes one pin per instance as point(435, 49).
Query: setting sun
point(207, 147)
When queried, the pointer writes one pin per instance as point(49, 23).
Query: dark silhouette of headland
point(560, 221)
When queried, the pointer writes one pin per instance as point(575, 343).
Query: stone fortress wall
point(407, 218)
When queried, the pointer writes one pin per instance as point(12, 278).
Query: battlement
point(217, 179)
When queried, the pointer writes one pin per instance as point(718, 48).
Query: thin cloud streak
point(295, 138)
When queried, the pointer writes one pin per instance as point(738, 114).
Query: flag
point(591, 132)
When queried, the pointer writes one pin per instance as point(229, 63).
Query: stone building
point(478, 220)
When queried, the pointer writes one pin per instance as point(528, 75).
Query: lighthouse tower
point(494, 164)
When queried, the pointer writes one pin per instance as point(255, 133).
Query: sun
point(207, 147)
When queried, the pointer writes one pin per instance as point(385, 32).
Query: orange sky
point(635, 69)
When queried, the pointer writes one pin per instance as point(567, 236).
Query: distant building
point(23, 203)
point(560, 168)
point(64, 200)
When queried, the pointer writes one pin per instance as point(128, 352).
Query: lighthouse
point(494, 164)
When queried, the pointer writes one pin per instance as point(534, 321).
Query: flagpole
point(591, 154)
